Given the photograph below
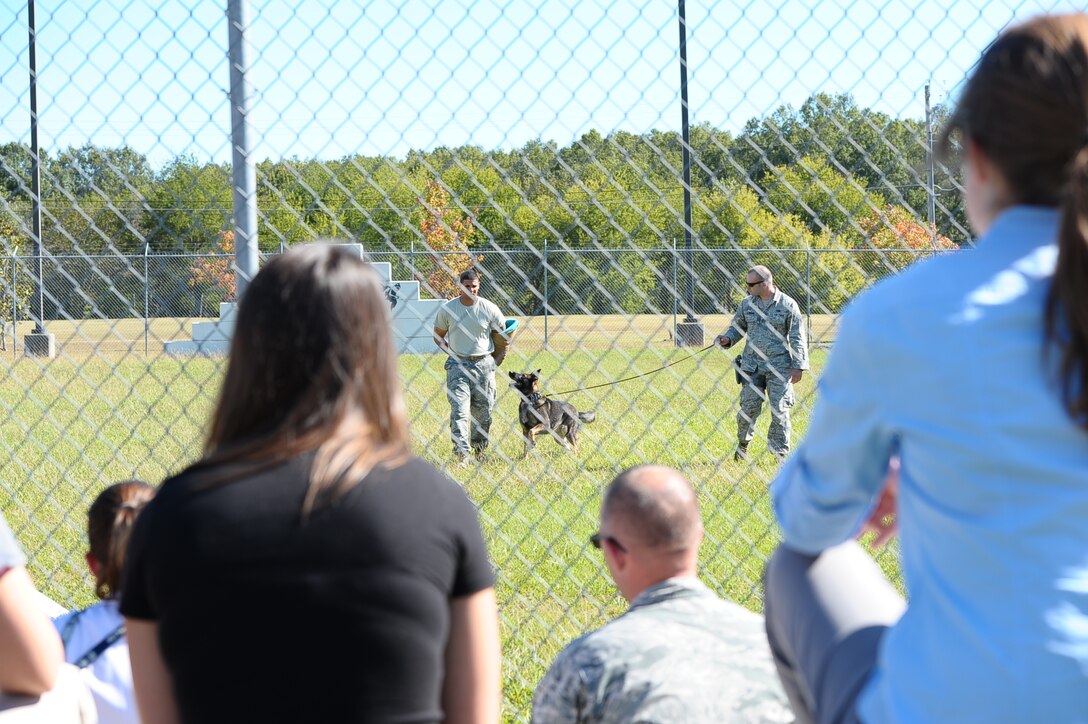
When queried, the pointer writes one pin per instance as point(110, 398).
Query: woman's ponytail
point(1067, 300)
point(109, 527)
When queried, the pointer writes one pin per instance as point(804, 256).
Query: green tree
point(884, 155)
point(17, 296)
point(188, 206)
point(822, 197)
point(93, 200)
point(15, 162)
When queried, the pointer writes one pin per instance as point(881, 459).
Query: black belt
point(475, 358)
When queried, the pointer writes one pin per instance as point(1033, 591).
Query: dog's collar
point(535, 398)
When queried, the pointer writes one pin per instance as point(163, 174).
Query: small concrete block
point(40, 345)
point(689, 334)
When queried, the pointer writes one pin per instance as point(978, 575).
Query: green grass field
point(76, 424)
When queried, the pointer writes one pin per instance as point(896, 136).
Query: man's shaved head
point(762, 272)
point(657, 506)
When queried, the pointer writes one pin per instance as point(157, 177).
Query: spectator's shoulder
point(921, 281)
point(427, 483)
point(577, 666)
point(610, 645)
point(425, 473)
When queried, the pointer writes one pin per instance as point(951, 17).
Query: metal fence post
point(808, 293)
point(675, 302)
point(14, 308)
point(545, 293)
point(147, 320)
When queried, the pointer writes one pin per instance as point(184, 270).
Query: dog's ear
point(513, 375)
point(537, 372)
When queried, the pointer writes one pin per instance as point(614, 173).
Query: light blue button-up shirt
point(944, 365)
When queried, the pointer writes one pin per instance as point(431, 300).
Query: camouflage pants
point(774, 386)
point(470, 387)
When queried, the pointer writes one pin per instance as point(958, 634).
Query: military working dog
point(538, 414)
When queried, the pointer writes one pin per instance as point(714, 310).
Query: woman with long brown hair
point(954, 408)
point(94, 638)
point(309, 568)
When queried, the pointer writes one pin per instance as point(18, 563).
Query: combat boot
point(741, 454)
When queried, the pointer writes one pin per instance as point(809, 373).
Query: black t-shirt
point(344, 616)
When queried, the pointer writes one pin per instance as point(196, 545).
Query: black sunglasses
point(754, 284)
point(596, 539)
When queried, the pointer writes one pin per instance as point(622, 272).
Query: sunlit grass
point(73, 426)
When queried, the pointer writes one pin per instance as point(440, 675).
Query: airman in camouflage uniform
point(680, 653)
point(774, 359)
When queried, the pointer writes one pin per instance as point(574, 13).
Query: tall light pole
point(689, 333)
point(243, 169)
point(931, 185)
point(38, 343)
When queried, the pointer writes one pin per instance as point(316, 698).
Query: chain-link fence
point(542, 143)
point(150, 299)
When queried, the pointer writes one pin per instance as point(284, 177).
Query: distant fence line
point(532, 281)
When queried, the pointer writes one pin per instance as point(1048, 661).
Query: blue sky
point(382, 77)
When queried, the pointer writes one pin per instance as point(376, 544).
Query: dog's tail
point(587, 416)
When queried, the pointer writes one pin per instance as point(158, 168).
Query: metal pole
point(675, 263)
point(545, 294)
point(14, 307)
point(808, 294)
point(37, 306)
point(931, 211)
point(244, 171)
point(689, 296)
point(147, 310)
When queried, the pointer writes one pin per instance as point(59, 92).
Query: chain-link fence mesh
point(540, 142)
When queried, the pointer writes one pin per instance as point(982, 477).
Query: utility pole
point(931, 186)
point(38, 343)
point(689, 333)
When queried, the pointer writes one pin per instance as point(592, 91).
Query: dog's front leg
point(530, 436)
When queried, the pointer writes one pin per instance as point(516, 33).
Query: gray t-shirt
point(10, 553)
point(469, 328)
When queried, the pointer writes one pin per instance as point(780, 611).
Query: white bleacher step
point(413, 319)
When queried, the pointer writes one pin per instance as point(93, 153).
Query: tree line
point(814, 192)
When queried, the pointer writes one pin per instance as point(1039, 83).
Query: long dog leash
point(693, 355)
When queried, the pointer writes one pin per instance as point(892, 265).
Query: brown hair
point(312, 367)
point(109, 526)
point(1026, 108)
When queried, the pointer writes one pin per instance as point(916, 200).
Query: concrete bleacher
point(413, 319)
